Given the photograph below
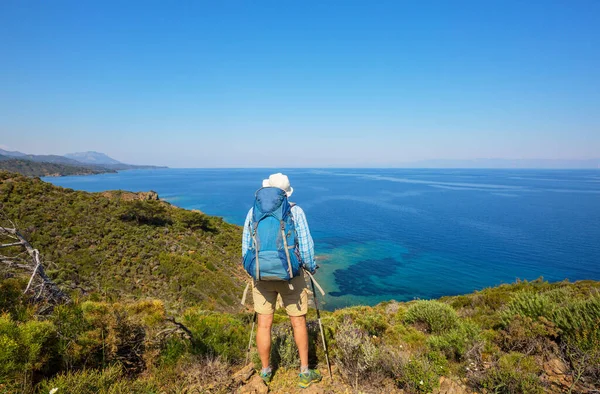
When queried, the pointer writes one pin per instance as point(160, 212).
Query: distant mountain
point(92, 157)
point(11, 153)
point(80, 163)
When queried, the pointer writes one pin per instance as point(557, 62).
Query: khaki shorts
point(295, 300)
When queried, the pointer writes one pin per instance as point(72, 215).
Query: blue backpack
point(274, 254)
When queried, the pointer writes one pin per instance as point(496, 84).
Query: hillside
point(81, 163)
point(124, 247)
point(39, 169)
point(101, 160)
point(131, 263)
point(92, 158)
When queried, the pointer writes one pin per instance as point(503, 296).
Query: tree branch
point(53, 293)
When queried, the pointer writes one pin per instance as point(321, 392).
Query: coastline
point(432, 254)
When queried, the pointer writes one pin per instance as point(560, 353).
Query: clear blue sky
point(301, 83)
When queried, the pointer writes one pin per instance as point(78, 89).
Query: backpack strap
point(285, 247)
point(255, 243)
point(245, 293)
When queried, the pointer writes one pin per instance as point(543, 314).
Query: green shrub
point(419, 375)
point(11, 297)
point(354, 352)
point(367, 318)
point(145, 212)
point(582, 349)
point(219, 334)
point(531, 305)
point(77, 348)
point(26, 348)
point(93, 381)
point(456, 342)
point(95, 334)
point(530, 336)
point(559, 295)
point(436, 316)
point(193, 220)
point(514, 373)
point(9, 348)
point(284, 352)
point(578, 315)
point(404, 337)
point(173, 349)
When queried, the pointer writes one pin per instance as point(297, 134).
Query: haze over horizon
point(308, 84)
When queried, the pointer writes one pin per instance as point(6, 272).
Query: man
point(292, 292)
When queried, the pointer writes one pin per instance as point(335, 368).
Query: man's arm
point(246, 236)
point(305, 241)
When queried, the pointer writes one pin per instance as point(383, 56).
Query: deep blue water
point(401, 234)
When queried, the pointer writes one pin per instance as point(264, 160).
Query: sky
point(301, 83)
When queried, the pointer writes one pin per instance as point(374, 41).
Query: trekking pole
point(250, 341)
point(312, 282)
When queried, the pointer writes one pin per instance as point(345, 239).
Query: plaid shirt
point(305, 241)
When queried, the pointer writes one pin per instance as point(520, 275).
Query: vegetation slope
point(527, 337)
point(34, 168)
point(123, 247)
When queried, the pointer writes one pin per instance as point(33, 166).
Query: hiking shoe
point(306, 379)
point(266, 377)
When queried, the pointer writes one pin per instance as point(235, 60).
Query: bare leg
point(263, 338)
point(301, 337)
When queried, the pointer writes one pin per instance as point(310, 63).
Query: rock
point(151, 195)
point(556, 366)
point(557, 375)
point(254, 386)
point(449, 386)
point(392, 308)
point(131, 196)
point(244, 374)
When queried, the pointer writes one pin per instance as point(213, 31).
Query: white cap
point(279, 180)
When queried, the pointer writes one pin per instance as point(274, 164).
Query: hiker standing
point(276, 246)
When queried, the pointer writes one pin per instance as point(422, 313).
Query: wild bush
point(354, 352)
point(421, 373)
point(111, 380)
point(283, 350)
point(559, 295)
point(173, 349)
point(112, 336)
point(578, 315)
point(11, 298)
point(193, 220)
point(582, 350)
point(455, 343)
point(94, 334)
point(145, 212)
point(26, 348)
point(528, 304)
point(436, 316)
point(367, 318)
point(218, 334)
point(530, 336)
point(193, 374)
point(513, 373)
point(404, 336)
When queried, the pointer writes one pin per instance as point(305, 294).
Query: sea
point(404, 234)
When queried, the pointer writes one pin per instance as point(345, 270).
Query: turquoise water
point(404, 234)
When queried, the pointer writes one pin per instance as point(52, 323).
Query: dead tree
point(40, 286)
